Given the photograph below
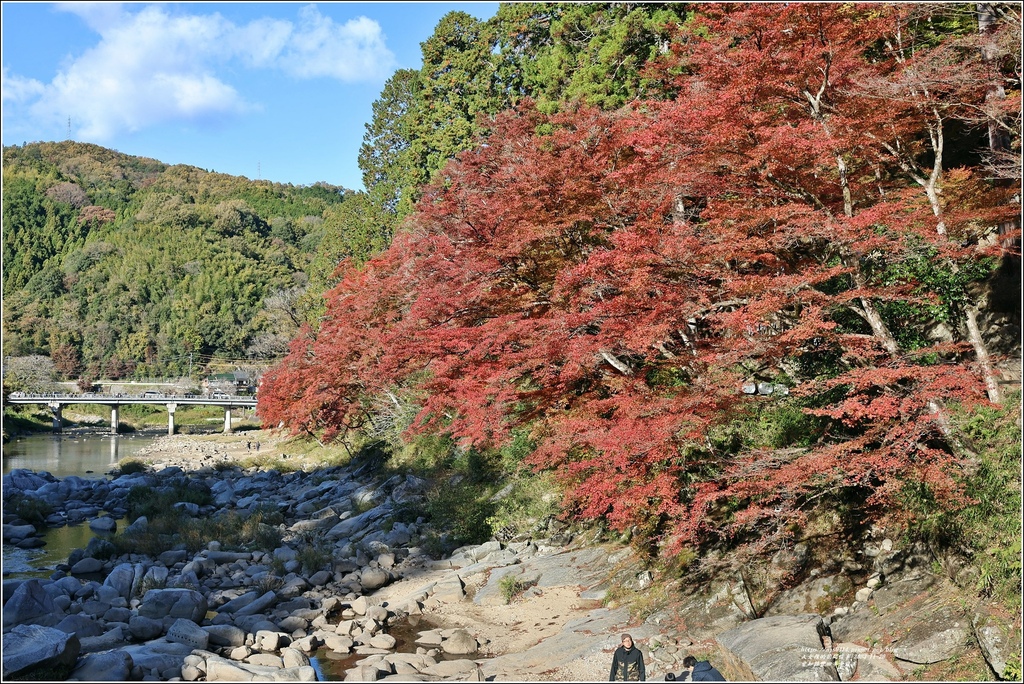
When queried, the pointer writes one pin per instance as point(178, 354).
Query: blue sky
point(279, 91)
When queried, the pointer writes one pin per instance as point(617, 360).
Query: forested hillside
point(737, 277)
point(118, 266)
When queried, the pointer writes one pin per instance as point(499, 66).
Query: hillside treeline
point(758, 289)
point(118, 266)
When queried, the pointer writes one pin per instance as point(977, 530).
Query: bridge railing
point(156, 396)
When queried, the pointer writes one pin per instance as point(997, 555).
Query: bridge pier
point(56, 408)
point(114, 423)
point(171, 408)
point(227, 420)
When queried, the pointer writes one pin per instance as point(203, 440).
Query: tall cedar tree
point(613, 281)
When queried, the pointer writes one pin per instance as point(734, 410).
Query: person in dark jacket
point(627, 663)
point(701, 670)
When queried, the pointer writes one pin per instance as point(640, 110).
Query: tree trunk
point(981, 354)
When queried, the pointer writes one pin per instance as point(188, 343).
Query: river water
point(93, 454)
point(88, 454)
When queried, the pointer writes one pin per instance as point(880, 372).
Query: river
point(86, 453)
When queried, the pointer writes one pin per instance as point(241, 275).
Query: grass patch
point(463, 509)
point(169, 528)
point(512, 586)
point(990, 523)
point(315, 552)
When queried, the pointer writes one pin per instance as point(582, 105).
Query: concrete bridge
point(56, 403)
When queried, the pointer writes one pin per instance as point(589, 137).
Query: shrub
point(314, 552)
point(130, 466)
point(463, 509)
point(31, 510)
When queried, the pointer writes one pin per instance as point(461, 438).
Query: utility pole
point(69, 128)
point(259, 170)
point(190, 365)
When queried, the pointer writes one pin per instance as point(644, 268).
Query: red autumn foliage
point(611, 280)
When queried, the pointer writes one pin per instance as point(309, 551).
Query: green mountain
point(120, 266)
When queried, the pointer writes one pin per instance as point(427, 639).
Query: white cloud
point(17, 89)
point(153, 67)
point(351, 51)
point(96, 15)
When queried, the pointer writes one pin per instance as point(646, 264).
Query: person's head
point(689, 662)
point(627, 641)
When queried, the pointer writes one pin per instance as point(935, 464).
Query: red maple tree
point(610, 281)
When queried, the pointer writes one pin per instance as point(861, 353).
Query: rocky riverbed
point(882, 613)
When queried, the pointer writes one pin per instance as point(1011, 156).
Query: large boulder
point(260, 605)
point(189, 633)
point(937, 636)
point(36, 651)
point(31, 604)
point(999, 635)
point(103, 524)
point(82, 625)
point(121, 579)
point(459, 642)
point(373, 578)
point(780, 648)
point(108, 666)
point(819, 595)
point(176, 603)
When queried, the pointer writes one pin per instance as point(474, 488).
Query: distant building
point(234, 382)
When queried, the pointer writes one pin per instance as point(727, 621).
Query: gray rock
point(108, 666)
point(144, 628)
point(255, 623)
point(114, 638)
point(189, 633)
point(936, 637)
point(221, 557)
point(319, 579)
point(81, 625)
point(31, 604)
point(169, 558)
point(239, 602)
point(363, 521)
point(225, 635)
point(166, 657)
point(780, 648)
point(186, 603)
point(459, 642)
point(140, 525)
point(103, 524)
point(10, 586)
point(373, 578)
point(222, 670)
point(819, 595)
point(87, 566)
point(117, 614)
point(259, 605)
point(998, 636)
point(15, 533)
point(28, 648)
point(121, 579)
point(291, 658)
point(452, 669)
point(387, 642)
point(450, 589)
point(265, 660)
